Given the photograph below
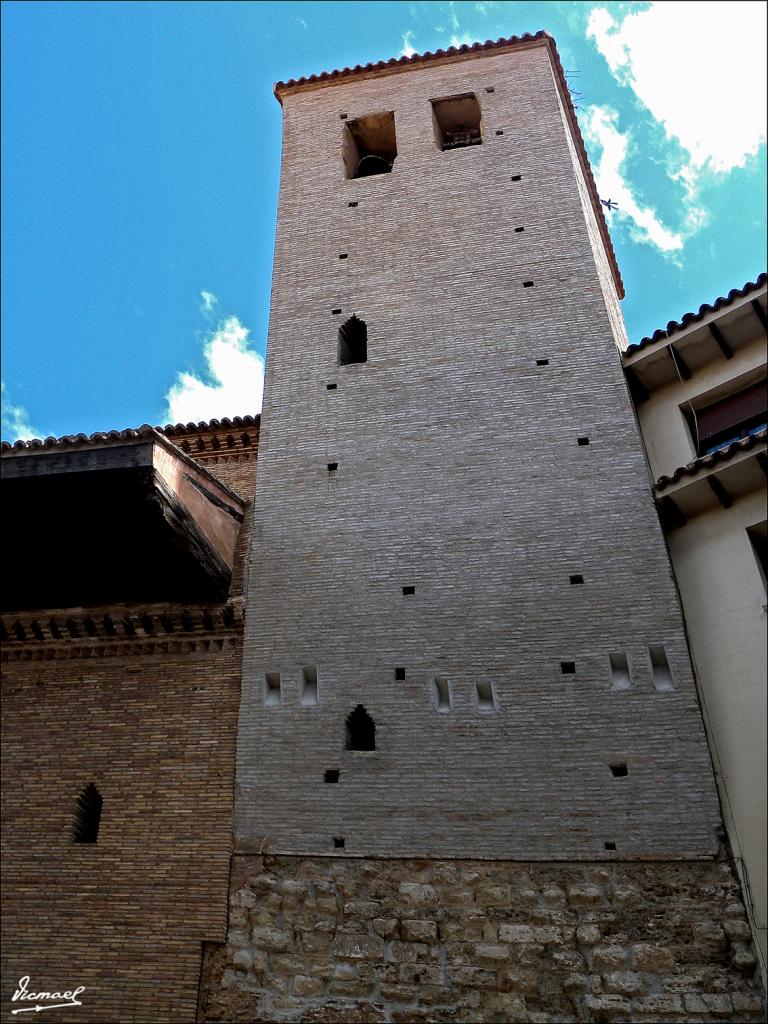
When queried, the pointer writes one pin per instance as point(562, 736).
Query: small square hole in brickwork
point(516, 177)
point(542, 362)
point(568, 668)
point(331, 775)
point(619, 771)
point(353, 204)
point(343, 256)
point(335, 312)
point(575, 579)
point(338, 842)
point(343, 116)
point(399, 673)
point(527, 284)
point(331, 387)
point(610, 846)
point(582, 441)
point(519, 230)
point(332, 467)
point(407, 591)
point(490, 88)
point(499, 131)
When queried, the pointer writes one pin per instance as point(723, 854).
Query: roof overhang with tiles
point(716, 331)
point(454, 54)
point(114, 518)
point(714, 480)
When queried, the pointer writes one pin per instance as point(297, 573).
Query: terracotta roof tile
point(145, 430)
point(691, 318)
point(401, 63)
point(744, 444)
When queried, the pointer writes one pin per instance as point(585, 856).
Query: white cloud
point(465, 39)
point(16, 424)
point(209, 300)
point(234, 381)
point(600, 129)
point(407, 50)
point(698, 68)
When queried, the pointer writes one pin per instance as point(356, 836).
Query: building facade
point(122, 630)
point(702, 405)
point(471, 779)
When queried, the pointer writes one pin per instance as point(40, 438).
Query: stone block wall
point(335, 941)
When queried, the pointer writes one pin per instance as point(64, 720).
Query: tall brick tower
point(453, 528)
point(472, 778)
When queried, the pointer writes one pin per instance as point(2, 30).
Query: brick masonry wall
point(409, 942)
point(459, 473)
point(150, 719)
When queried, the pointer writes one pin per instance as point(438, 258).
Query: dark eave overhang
point(398, 65)
point(711, 480)
point(126, 518)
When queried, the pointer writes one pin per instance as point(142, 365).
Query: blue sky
point(141, 158)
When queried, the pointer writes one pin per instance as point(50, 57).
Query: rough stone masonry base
point(359, 940)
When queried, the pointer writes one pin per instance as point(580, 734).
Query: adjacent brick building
point(138, 698)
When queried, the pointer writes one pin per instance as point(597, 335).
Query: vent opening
point(620, 677)
point(485, 696)
point(662, 673)
point(361, 730)
point(309, 686)
point(441, 694)
point(272, 689)
point(353, 342)
point(85, 827)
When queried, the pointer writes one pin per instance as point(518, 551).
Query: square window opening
point(369, 145)
point(457, 121)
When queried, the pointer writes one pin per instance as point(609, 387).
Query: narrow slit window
point(660, 670)
point(85, 827)
point(361, 730)
point(485, 697)
point(457, 122)
point(273, 694)
point(353, 342)
point(369, 145)
point(620, 678)
point(441, 694)
point(309, 686)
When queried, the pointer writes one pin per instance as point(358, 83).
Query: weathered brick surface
point(335, 962)
point(458, 473)
point(151, 719)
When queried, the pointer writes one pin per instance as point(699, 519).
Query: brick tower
point(453, 526)
point(469, 734)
